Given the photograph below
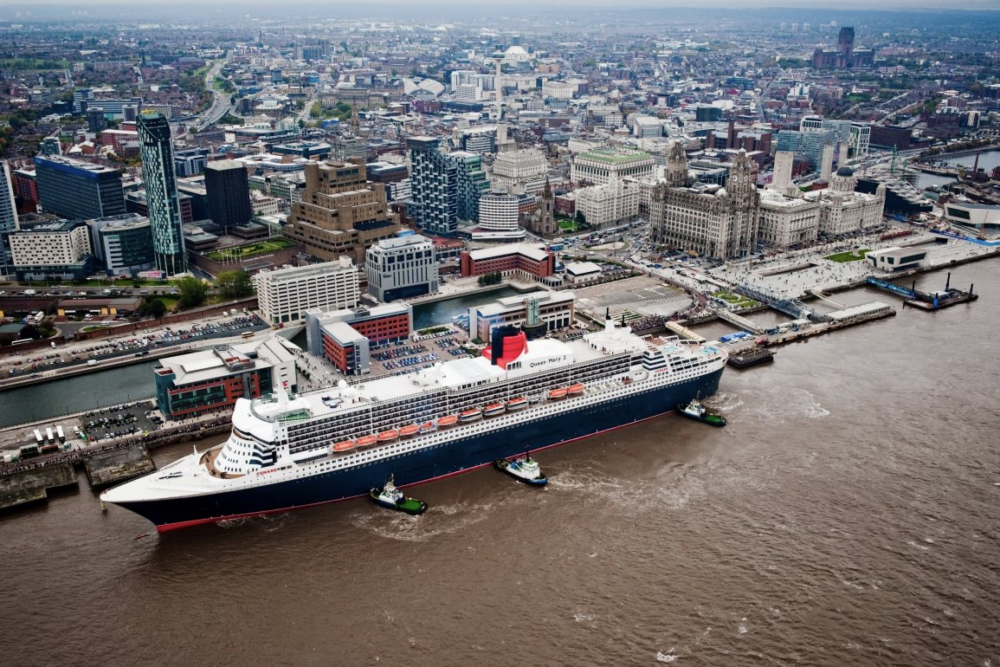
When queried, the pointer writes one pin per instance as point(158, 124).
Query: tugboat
point(695, 410)
point(391, 497)
point(524, 469)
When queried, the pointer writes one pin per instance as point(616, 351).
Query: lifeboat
point(556, 394)
point(448, 420)
point(427, 427)
point(470, 415)
point(365, 441)
point(343, 447)
point(494, 409)
point(408, 431)
point(518, 403)
point(575, 389)
point(388, 436)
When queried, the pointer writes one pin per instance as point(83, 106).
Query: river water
point(848, 515)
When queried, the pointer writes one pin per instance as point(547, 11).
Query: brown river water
point(848, 515)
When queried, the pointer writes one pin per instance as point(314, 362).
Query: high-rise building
point(499, 217)
point(228, 193)
point(444, 187)
point(8, 216)
point(95, 119)
point(341, 212)
point(401, 268)
point(78, 190)
point(162, 199)
point(711, 220)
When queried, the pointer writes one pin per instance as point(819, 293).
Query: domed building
point(515, 55)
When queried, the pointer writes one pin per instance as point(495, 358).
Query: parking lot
point(643, 295)
point(405, 357)
point(120, 420)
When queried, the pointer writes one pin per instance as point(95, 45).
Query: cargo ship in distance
point(292, 451)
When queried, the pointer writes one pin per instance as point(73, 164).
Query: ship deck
point(208, 460)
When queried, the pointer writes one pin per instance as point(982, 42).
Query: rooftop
point(614, 156)
point(536, 252)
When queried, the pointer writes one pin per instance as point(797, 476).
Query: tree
point(157, 308)
point(234, 284)
point(192, 292)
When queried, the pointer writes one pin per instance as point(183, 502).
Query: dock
point(684, 332)
point(32, 485)
point(117, 465)
point(927, 301)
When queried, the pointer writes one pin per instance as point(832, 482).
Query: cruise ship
point(292, 451)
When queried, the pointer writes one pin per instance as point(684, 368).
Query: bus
point(247, 335)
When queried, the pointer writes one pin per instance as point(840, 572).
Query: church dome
point(845, 171)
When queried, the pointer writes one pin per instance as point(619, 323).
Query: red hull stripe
point(197, 522)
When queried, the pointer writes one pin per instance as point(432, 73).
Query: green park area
point(849, 256)
point(566, 225)
point(251, 250)
point(737, 300)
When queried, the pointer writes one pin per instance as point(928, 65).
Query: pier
point(118, 465)
point(33, 484)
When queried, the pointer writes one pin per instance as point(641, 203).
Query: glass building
point(78, 190)
point(161, 193)
point(8, 217)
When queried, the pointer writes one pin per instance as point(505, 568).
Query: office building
point(714, 221)
point(842, 210)
point(8, 216)
point(499, 217)
point(96, 121)
point(401, 268)
point(857, 136)
point(78, 190)
point(603, 165)
point(284, 295)
point(341, 212)
point(52, 250)
point(555, 310)
point(520, 260)
point(162, 199)
point(611, 204)
point(525, 167)
point(228, 193)
point(190, 162)
point(787, 221)
point(123, 244)
point(344, 337)
point(213, 380)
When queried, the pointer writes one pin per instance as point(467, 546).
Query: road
point(220, 102)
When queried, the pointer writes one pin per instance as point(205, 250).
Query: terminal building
point(896, 259)
point(553, 310)
point(402, 268)
point(284, 295)
point(212, 380)
point(345, 337)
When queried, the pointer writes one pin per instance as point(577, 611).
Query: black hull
point(442, 460)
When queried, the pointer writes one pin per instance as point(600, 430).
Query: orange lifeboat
point(448, 420)
point(470, 415)
point(575, 389)
point(494, 409)
point(518, 403)
point(365, 441)
point(556, 394)
point(388, 436)
point(408, 431)
point(343, 447)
